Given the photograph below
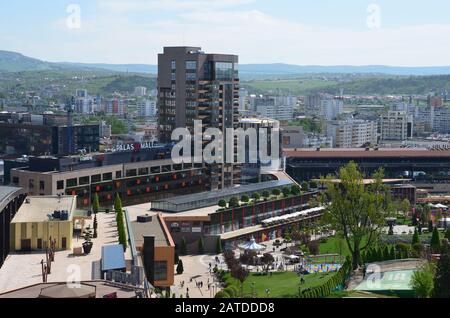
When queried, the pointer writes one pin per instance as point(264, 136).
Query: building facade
point(193, 85)
point(352, 133)
point(396, 125)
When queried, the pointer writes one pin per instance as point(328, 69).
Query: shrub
point(313, 184)
point(201, 246)
point(245, 198)
point(234, 202)
point(415, 238)
point(305, 186)
point(222, 294)
point(276, 192)
point(256, 196)
point(313, 247)
point(231, 291)
point(222, 203)
point(95, 204)
point(295, 190)
point(180, 267)
point(435, 241)
point(183, 247)
point(266, 194)
point(219, 246)
point(286, 192)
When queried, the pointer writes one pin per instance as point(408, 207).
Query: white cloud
point(256, 36)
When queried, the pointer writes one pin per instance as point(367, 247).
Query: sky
point(302, 32)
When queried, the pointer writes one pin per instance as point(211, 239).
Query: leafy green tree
point(96, 204)
point(357, 212)
point(422, 281)
point(312, 184)
point(183, 247)
point(180, 267)
point(415, 238)
point(276, 192)
point(256, 196)
point(286, 192)
point(406, 206)
point(222, 203)
point(305, 186)
point(435, 241)
point(266, 194)
point(447, 234)
point(442, 277)
point(295, 189)
point(245, 198)
point(234, 202)
point(219, 249)
point(117, 203)
point(201, 246)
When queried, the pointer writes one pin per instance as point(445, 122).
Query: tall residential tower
point(193, 85)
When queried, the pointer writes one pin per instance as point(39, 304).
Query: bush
point(245, 198)
point(435, 241)
point(222, 294)
point(183, 247)
point(201, 246)
point(305, 186)
point(222, 203)
point(286, 192)
point(313, 247)
point(219, 246)
point(276, 192)
point(234, 202)
point(180, 267)
point(313, 184)
point(266, 194)
point(415, 238)
point(295, 190)
point(231, 291)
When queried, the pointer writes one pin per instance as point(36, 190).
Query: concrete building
point(275, 107)
point(115, 106)
point(146, 108)
point(11, 198)
point(41, 219)
point(193, 85)
point(352, 133)
point(293, 136)
point(396, 125)
point(156, 248)
point(140, 91)
point(330, 109)
point(139, 175)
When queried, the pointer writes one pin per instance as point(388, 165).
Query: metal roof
point(254, 187)
point(113, 257)
point(6, 193)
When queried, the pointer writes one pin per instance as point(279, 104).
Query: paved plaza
point(22, 270)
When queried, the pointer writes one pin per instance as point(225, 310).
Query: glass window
point(131, 173)
point(160, 270)
point(174, 65)
point(84, 180)
point(107, 176)
point(118, 174)
point(96, 178)
point(72, 182)
point(191, 76)
point(60, 185)
point(41, 185)
point(191, 65)
point(224, 71)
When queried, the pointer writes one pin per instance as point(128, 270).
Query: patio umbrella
point(441, 206)
point(252, 246)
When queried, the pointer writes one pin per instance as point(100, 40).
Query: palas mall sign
point(133, 147)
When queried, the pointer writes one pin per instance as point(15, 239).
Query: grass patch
point(281, 285)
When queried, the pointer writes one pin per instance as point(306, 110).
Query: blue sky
point(325, 32)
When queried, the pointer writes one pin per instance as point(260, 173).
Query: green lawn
point(281, 285)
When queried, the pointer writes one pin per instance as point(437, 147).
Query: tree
point(314, 247)
point(180, 267)
point(295, 189)
point(234, 202)
point(245, 198)
point(95, 227)
point(267, 260)
point(266, 194)
point(442, 277)
point(276, 192)
point(117, 203)
point(435, 241)
point(256, 196)
point(313, 184)
point(219, 246)
point(405, 206)
point(415, 238)
point(201, 246)
point(222, 203)
point(286, 192)
point(96, 204)
point(422, 281)
point(305, 186)
point(183, 248)
point(241, 274)
point(447, 234)
point(357, 212)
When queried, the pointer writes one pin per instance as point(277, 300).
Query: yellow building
point(40, 219)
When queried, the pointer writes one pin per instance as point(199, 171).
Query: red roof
point(362, 153)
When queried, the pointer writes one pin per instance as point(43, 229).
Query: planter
point(87, 247)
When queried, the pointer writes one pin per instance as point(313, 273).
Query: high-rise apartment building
point(331, 108)
point(193, 85)
point(146, 108)
point(115, 107)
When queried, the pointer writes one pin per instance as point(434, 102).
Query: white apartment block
point(146, 108)
point(396, 125)
point(331, 108)
point(140, 91)
point(352, 133)
point(275, 107)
